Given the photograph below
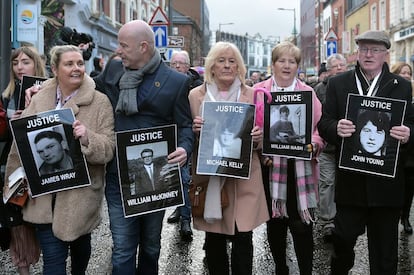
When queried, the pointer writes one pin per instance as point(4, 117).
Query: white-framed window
point(373, 16)
point(382, 14)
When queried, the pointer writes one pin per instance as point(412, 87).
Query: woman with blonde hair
point(224, 81)
point(65, 219)
point(24, 249)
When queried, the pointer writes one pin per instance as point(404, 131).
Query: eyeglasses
point(372, 50)
point(339, 66)
point(175, 63)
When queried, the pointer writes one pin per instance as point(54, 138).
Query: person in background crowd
point(255, 77)
point(144, 93)
point(405, 70)
point(224, 81)
point(24, 248)
point(335, 64)
point(322, 73)
point(364, 201)
point(302, 76)
point(291, 184)
point(98, 64)
point(58, 229)
point(180, 61)
point(249, 82)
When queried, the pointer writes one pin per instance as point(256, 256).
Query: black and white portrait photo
point(371, 149)
point(146, 165)
point(147, 181)
point(372, 132)
point(51, 150)
point(288, 126)
point(51, 156)
point(287, 129)
point(225, 140)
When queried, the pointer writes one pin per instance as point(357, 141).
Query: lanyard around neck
point(372, 87)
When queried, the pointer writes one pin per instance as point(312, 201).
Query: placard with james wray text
point(50, 155)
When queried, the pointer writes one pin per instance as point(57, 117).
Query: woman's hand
point(80, 132)
point(257, 134)
point(29, 93)
point(17, 114)
point(197, 123)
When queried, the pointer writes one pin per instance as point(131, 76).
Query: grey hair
point(332, 57)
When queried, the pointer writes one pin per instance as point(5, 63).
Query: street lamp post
point(223, 24)
point(294, 21)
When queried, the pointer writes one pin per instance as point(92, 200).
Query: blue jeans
point(55, 252)
point(128, 233)
point(185, 210)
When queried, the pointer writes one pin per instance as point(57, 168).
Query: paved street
point(182, 258)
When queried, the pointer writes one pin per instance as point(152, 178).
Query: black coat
point(354, 188)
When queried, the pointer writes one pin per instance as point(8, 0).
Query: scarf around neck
point(129, 82)
point(305, 188)
point(212, 208)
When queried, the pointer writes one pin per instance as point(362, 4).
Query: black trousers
point(241, 253)
point(382, 232)
point(408, 192)
point(302, 233)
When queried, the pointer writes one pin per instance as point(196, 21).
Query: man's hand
point(401, 133)
point(345, 128)
point(179, 155)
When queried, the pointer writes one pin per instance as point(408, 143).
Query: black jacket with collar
point(355, 188)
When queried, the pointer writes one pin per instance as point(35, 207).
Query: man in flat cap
point(366, 202)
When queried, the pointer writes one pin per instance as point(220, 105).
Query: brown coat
point(77, 211)
point(247, 202)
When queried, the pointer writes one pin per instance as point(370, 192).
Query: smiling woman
point(93, 127)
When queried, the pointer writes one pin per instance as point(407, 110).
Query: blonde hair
point(215, 52)
point(397, 67)
point(39, 68)
point(57, 51)
point(286, 47)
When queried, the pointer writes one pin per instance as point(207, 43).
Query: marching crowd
point(137, 90)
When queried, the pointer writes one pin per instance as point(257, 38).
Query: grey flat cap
point(374, 36)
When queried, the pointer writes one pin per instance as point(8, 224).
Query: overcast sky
point(254, 16)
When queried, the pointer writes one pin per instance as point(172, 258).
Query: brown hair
point(39, 67)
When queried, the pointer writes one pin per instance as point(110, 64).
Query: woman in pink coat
point(224, 81)
point(292, 184)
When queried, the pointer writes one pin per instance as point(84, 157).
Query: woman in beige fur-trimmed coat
point(247, 207)
point(66, 219)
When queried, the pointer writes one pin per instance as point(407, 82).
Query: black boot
point(174, 217)
point(185, 230)
point(407, 226)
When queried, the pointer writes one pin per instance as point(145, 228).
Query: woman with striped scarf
point(291, 184)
